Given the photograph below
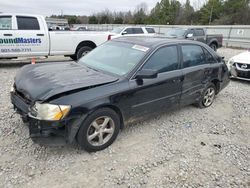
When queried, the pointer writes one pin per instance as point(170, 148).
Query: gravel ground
point(190, 147)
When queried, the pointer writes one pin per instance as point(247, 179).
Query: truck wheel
point(213, 46)
point(99, 130)
point(83, 51)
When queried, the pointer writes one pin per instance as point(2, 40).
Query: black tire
point(213, 46)
point(202, 103)
point(82, 51)
point(87, 127)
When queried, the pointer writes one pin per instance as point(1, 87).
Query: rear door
point(32, 36)
point(6, 36)
point(161, 93)
point(196, 71)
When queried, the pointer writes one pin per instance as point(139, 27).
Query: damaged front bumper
point(44, 131)
point(239, 73)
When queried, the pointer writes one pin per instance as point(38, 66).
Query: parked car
point(29, 35)
point(239, 66)
point(198, 34)
point(131, 31)
point(122, 80)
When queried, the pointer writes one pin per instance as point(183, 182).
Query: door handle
point(177, 80)
point(40, 35)
point(7, 35)
point(207, 72)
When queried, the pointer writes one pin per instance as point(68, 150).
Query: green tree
point(188, 13)
point(237, 11)
point(211, 11)
point(93, 20)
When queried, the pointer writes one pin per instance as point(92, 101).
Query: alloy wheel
point(209, 97)
point(100, 131)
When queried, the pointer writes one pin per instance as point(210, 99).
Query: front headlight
point(230, 63)
point(49, 112)
point(12, 89)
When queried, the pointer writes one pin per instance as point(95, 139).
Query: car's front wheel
point(208, 96)
point(99, 130)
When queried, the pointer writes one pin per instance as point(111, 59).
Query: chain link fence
point(233, 35)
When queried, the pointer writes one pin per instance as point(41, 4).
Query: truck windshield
point(177, 32)
point(117, 30)
point(114, 57)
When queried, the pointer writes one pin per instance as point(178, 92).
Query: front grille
point(241, 65)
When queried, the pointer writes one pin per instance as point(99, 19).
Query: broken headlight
point(50, 112)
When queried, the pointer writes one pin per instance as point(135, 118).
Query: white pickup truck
point(28, 35)
point(131, 31)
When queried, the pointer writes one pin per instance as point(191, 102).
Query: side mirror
point(146, 74)
point(124, 32)
point(190, 35)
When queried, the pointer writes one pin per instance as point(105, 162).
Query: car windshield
point(114, 57)
point(175, 32)
point(117, 30)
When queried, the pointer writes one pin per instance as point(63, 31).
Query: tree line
point(172, 12)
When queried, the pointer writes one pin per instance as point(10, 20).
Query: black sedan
point(122, 80)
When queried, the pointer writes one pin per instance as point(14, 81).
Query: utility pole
point(211, 13)
point(61, 13)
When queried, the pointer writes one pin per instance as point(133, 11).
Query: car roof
point(19, 14)
point(188, 27)
point(153, 41)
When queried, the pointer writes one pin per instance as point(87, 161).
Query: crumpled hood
point(42, 81)
point(242, 58)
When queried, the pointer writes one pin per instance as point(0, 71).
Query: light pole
point(211, 13)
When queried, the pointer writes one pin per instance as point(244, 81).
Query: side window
point(199, 32)
point(138, 31)
point(129, 31)
point(163, 60)
point(27, 23)
point(209, 57)
point(150, 30)
point(193, 55)
point(191, 31)
point(5, 23)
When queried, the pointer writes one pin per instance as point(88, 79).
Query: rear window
point(150, 30)
point(193, 55)
point(5, 23)
point(209, 57)
point(27, 23)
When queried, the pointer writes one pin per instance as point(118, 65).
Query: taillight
point(109, 37)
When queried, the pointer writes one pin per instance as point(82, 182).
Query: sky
point(73, 7)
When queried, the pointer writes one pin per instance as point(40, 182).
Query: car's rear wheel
point(99, 130)
point(208, 96)
point(83, 51)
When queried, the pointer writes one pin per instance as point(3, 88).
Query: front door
point(161, 93)
point(6, 36)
